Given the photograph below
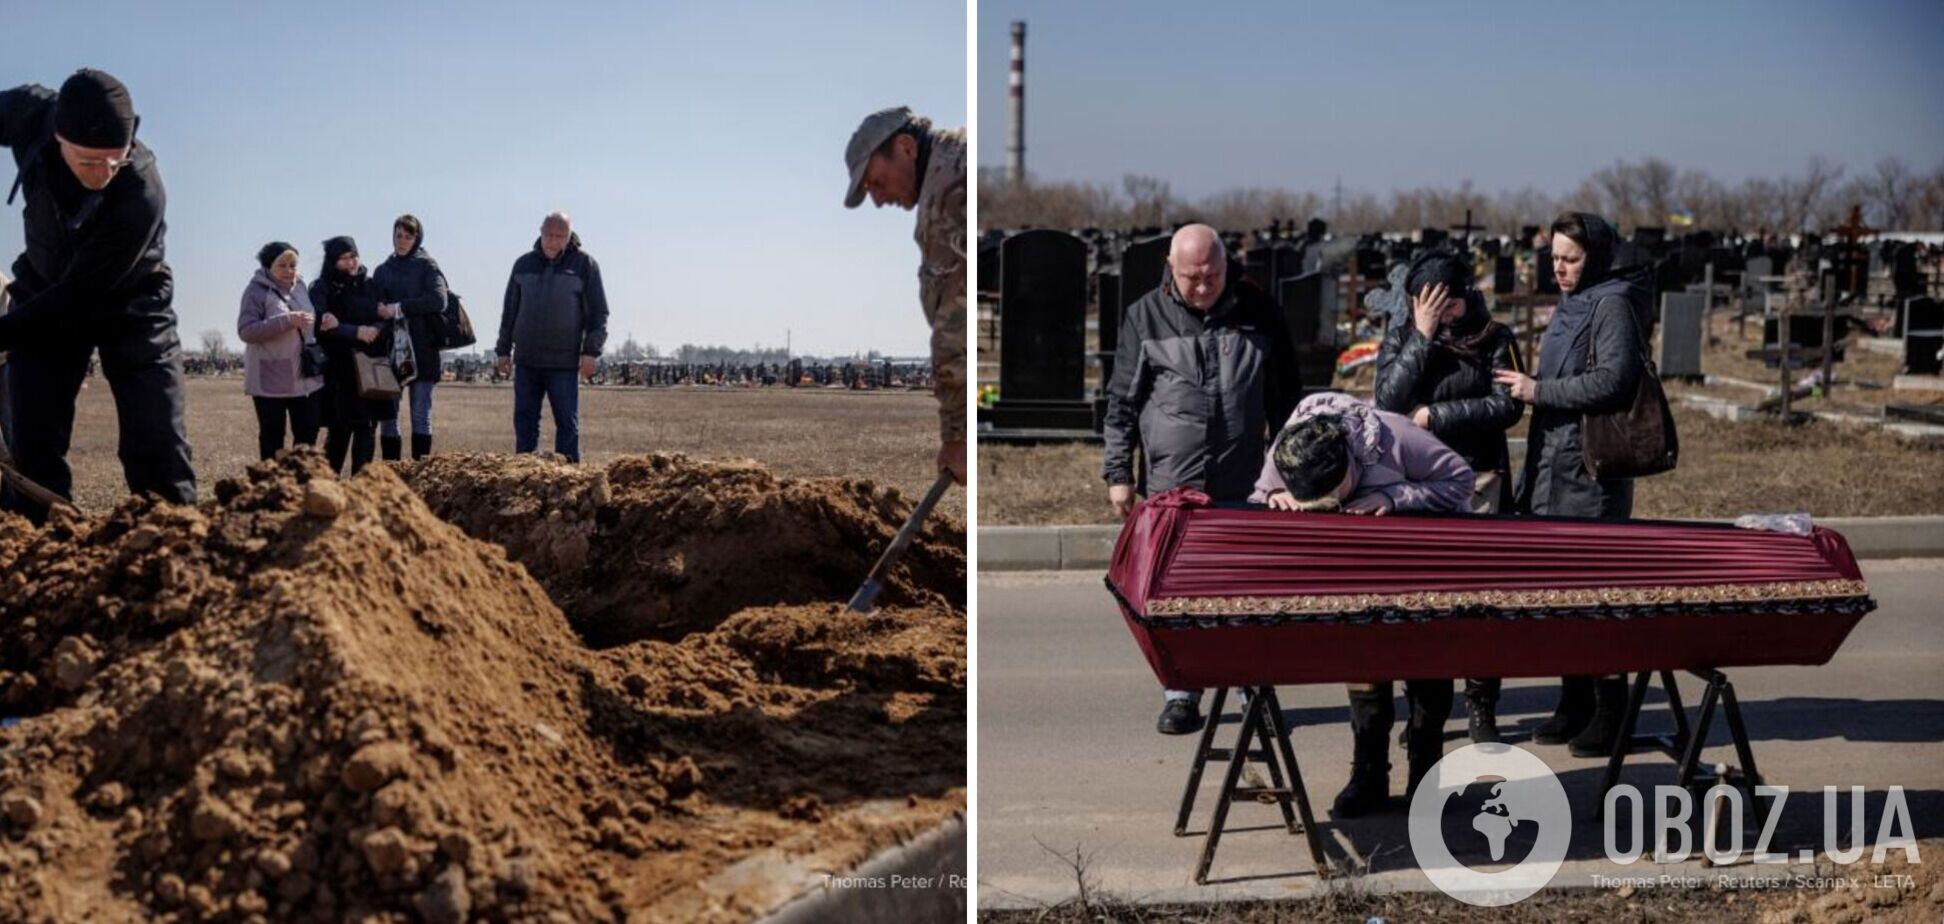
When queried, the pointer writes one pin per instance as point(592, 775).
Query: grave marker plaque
point(1923, 336)
point(1042, 332)
point(1505, 275)
point(1681, 317)
point(1142, 264)
point(1310, 311)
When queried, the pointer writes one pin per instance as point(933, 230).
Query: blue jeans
point(421, 395)
point(561, 388)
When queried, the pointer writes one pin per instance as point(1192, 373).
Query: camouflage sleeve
point(948, 355)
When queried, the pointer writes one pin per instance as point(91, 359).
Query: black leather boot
point(1609, 707)
point(1481, 701)
point(390, 447)
point(1371, 716)
point(1430, 702)
point(421, 445)
point(1179, 717)
point(1575, 710)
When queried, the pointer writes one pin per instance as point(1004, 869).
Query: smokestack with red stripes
point(1016, 121)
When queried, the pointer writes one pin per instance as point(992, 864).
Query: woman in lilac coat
point(275, 322)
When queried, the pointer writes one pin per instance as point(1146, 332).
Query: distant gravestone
point(1043, 305)
point(1805, 331)
point(1505, 275)
point(1544, 282)
point(1107, 318)
point(1682, 330)
point(1310, 310)
point(1923, 336)
point(1142, 264)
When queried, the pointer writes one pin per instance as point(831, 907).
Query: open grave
point(308, 699)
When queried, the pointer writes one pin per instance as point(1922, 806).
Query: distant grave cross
point(1852, 232)
point(1468, 227)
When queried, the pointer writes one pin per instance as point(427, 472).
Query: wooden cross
point(1854, 230)
point(1468, 227)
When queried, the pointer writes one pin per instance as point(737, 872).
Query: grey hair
point(557, 216)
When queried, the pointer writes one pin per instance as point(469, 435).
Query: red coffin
point(1242, 597)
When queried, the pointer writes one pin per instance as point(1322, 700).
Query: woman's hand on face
point(1281, 501)
point(367, 333)
point(1521, 385)
point(1375, 504)
point(1427, 306)
point(1422, 417)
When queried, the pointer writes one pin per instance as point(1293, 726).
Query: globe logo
point(1518, 815)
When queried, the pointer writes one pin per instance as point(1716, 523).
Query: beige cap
point(878, 128)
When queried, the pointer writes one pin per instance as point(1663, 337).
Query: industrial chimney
point(1016, 93)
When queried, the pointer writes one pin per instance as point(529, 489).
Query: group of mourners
point(1203, 364)
point(302, 343)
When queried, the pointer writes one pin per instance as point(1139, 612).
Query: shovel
point(860, 602)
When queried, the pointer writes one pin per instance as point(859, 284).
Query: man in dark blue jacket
point(92, 278)
point(551, 330)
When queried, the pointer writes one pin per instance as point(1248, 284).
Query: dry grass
point(888, 437)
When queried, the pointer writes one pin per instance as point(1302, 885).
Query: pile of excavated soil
point(314, 700)
point(660, 546)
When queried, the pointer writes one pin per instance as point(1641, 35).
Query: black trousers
point(271, 415)
point(356, 439)
point(141, 358)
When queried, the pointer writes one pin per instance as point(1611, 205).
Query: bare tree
point(1886, 194)
point(213, 344)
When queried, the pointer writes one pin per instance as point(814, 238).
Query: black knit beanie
point(94, 111)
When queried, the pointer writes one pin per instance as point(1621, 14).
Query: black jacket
point(1469, 411)
point(352, 302)
point(92, 257)
point(1610, 316)
point(555, 311)
point(1197, 391)
point(415, 282)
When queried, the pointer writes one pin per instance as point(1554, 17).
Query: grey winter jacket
point(1609, 316)
point(555, 310)
point(1196, 391)
point(1389, 454)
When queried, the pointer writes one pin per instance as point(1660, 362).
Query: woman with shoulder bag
point(352, 324)
point(280, 357)
point(409, 283)
point(1591, 361)
point(1436, 367)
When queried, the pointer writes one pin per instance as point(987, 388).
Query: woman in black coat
point(410, 283)
point(350, 322)
point(1603, 312)
point(1436, 367)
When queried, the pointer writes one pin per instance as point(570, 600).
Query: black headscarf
point(1601, 241)
point(1470, 331)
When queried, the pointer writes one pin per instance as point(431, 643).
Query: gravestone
point(1923, 336)
point(989, 262)
point(1505, 275)
point(1544, 282)
point(1042, 333)
point(1805, 331)
point(1681, 323)
point(1142, 264)
point(1310, 310)
point(1107, 318)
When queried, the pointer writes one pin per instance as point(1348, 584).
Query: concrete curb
point(1083, 548)
point(926, 868)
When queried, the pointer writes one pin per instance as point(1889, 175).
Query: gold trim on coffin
point(1507, 599)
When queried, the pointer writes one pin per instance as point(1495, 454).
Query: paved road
point(1068, 758)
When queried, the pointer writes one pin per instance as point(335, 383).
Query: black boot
point(1179, 717)
point(1481, 700)
point(421, 445)
point(1575, 710)
point(1430, 702)
point(1609, 706)
point(390, 447)
point(1371, 716)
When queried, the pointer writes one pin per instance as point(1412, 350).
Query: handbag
point(457, 326)
point(404, 353)
point(1635, 441)
point(311, 359)
point(376, 380)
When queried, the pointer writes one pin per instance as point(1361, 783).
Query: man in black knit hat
point(92, 278)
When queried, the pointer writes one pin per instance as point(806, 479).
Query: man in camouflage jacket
point(897, 158)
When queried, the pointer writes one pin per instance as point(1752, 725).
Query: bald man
point(1203, 364)
point(553, 324)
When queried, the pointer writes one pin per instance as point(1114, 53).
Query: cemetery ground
point(890, 437)
point(1826, 468)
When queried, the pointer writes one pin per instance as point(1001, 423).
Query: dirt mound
point(1894, 890)
point(314, 700)
point(662, 545)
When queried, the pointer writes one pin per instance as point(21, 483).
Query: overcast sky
point(698, 146)
point(1404, 94)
